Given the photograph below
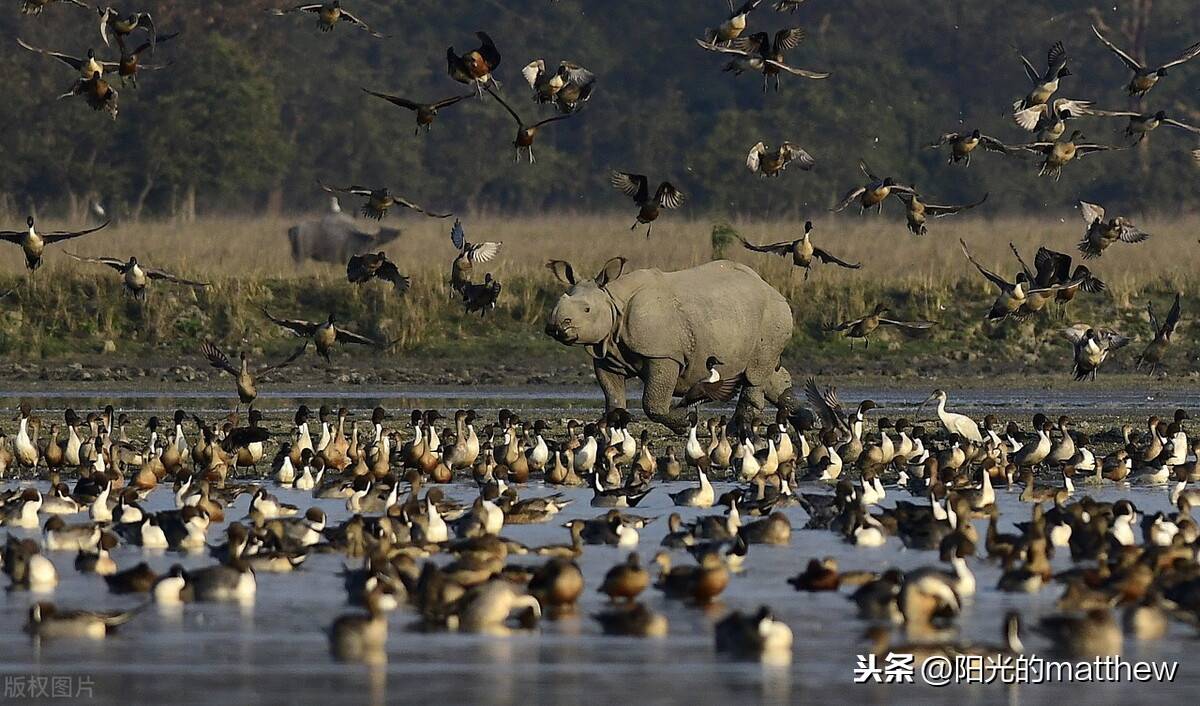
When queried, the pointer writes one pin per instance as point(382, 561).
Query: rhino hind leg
point(776, 390)
point(660, 377)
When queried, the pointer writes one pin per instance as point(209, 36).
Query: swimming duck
point(47, 621)
point(229, 582)
point(1154, 352)
point(476, 66)
point(359, 637)
point(634, 620)
point(863, 327)
point(1091, 348)
point(758, 636)
point(557, 585)
point(22, 511)
point(637, 187)
point(486, 608)
point(425, 112)
point(365, 267)
point(77, 537)
point(819, 575)
point(329, 14)
point(33, 243)
point(27, 567)
point(963, 144)
point(1145, 77)
point(874, 193)
point(771, 163)
point(1092, 633)
point(699, 584)
point(625, 580)
point(917, 211)
point(802, 251)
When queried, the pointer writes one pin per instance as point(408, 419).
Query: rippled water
point(276, 651)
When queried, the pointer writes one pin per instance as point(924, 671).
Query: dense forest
point(249, 110)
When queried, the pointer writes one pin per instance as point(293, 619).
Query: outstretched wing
point(635, 186)
point(346, 336)
point(115, 263)
point(992, 276)
point(849, 199)
point(784, 248)
point(217, 358)
point(353, 189)
point(1091, 211)
point(806, 73)
point(165, 276)
point(300, 327)
point(830, 259)
point(1186, 55)
point(409, 204)
point(945, 139)
point(507, 107)
point(397, 100)
point(1172, 318)
point(939, 211)
point(483, 252)
point(1184, 126)
point(1075, 333)
point(287, 361)
point(827, 406)
point(362, 25)
point(1129, 60)
point(389, 272)
point(61, 235)
point(915, 325)
point(72, 61)
point(668, 196)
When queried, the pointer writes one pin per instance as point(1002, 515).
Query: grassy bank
point(69, 310)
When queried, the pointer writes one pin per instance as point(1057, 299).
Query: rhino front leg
point(613, 387)
point(659, 377)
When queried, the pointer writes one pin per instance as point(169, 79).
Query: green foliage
point(723, 236)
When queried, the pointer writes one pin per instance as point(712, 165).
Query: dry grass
point(928, 277)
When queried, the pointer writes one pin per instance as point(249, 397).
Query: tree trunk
point(140, 202)
point(189, 204)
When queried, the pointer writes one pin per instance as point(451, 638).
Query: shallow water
point(276, 651)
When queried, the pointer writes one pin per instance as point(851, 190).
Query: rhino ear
point(611, 270)
point(563, 271)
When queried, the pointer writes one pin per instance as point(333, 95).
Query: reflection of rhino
point(334, 237)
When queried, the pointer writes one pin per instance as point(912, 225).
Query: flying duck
point(1044, 85)
point(567, 88)
point(1142, 124)
point(770, 163)
point(1091, 348)
point(134, 277)
point(874, 193)
point(34, 243)
point(246, 389)
point(365, 267)
point(380, 201)
point(463, 267)
point(35, 7)
point(733, 25)
point(802, 251)
point(525, 131)
point(1154, 352)
point(637, 187)
point(476, 66)
point(425, 112)
point(759, 53)
point(917, 211)
point(963, 144)
point(329, 14)
point(1101, 234)
point(1146, 77)
point(124, 25)
point(324, 334)
point(1058, 153)
point(865, 326)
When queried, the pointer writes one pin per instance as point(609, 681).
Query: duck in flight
point(136, 277)
point(713, 387)
point(324, 334)
point(243, 376)
point(33, 243)
point(874, 193)
point(637, 187)
point(525, 131)
point(328, 15)
point(425, 112)
point(801, 250)
point(1146, 76)
point(380, 201)
point(865, 326)
point(368, 266)
point(1101, 233)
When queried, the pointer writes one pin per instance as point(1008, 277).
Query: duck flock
point(82, 490)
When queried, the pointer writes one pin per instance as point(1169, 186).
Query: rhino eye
point(587, 309)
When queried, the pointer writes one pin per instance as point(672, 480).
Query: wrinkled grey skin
point(661, 327)
point(334, 237)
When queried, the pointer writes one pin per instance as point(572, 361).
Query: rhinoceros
point(334, 237)
point(662, 327)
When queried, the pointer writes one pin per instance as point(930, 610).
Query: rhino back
point(720, 308)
